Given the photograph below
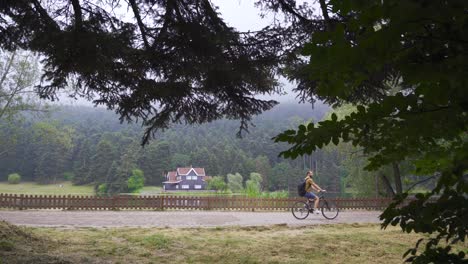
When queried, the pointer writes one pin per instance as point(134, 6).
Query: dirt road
point(55, 218)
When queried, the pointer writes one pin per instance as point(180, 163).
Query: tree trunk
point(397, 176)
point(388, 185)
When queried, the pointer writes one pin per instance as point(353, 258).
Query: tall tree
point(179, 55)
point(262, 166)
point(280, 174)
point(421, 45)
point(19, 72)
point(101, 162)
point(155, 162)
point(52, 151)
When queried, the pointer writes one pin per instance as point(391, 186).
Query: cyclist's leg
point(311, 198)
point(316, 204)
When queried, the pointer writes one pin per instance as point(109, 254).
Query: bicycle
point(301, 210)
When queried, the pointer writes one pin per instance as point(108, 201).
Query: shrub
point(136, 181)
point(217, 183)
point(101, 189)
point(235, 182)
point(68, 176)
point(14, 178)
point(252, 188)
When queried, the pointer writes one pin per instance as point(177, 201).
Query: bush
point(252, 188)
point(217, 183)
point(68, 176)
point(235, 182)
point(14, 178)
point(101, 189)
point(136, 181)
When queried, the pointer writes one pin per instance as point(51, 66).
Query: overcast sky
point(242, 15)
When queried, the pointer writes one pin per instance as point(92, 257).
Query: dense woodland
point(90, 146)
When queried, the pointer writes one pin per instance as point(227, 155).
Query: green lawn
point(52, 189)
point(65, 188)
point(343, 243)
point(151, 190)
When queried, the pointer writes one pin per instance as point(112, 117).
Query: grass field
point(65, 188)
point(69, 188)
point(34, 188)
point(276, 244)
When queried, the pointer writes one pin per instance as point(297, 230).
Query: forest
point(48, 142)
point(90, 146)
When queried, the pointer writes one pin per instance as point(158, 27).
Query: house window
point(185, 186)
point(177, 186)
point(197, 186)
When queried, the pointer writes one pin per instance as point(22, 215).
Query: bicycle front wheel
point(329, 209)
point(300, 210)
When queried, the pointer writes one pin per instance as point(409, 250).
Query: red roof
point(171, 177)
point(185, 171)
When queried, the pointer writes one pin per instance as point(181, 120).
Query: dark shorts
point(310, 195)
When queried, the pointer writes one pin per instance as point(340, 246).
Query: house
point(185, 179)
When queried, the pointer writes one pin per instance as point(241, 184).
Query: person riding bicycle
point(311, 185)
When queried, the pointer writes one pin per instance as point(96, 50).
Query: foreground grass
point(276, 244)
point(62, 188)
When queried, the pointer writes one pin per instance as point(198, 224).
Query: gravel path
point(55, 218)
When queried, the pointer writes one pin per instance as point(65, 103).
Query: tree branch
point(7, 69)
point(421, 181)
point(387, 184)
point(78, 13)
point(141, 26)
point(291, 10)
point(324, 8)
point(43, 13)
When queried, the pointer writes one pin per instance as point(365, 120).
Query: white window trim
point(198, 186)
point(185, 186)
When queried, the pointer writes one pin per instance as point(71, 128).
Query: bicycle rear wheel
point(329, 209)
point(300, 210)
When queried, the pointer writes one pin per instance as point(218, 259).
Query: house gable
point(171, 177)
point(186, 179)
point(190, 171)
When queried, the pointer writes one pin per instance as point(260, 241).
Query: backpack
point(301, 189)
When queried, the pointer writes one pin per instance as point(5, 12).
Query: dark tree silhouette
point(164, 61)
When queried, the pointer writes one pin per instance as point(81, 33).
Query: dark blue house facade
point(185, 179)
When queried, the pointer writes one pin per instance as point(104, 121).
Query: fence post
point(21, 202)
point(161, 198)
point(112, 198)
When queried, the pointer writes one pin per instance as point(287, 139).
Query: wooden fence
point(76, 202)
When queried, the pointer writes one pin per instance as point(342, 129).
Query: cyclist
point(311, 185)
